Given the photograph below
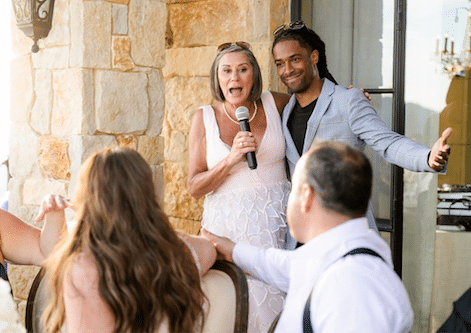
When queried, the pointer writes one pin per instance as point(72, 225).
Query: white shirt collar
point(335, 243)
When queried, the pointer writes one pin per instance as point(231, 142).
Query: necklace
point(236, 122)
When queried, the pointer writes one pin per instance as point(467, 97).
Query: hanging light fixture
point(34, 18)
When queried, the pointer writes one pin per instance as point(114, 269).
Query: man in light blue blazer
point(320, 109)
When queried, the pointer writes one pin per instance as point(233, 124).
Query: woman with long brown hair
point(124, 268)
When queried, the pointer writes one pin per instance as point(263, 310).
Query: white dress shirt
point(357, 293)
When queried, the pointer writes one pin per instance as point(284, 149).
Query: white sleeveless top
point(250, 206)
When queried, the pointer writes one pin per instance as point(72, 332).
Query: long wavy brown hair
point(146, 273)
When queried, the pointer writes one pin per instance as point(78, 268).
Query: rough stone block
point(122, 2)
point(158, 176)
point(182, 1)
point(262, 52)
point(121, 102)
point(152, 149)
point(60, 30)
point(15, 186)
point(129, 141)
point(41, 113)
point(52, 58)
point(279, 13)
point(28, 213)
point(189, 62)
point(176, 149)
point(121, 54)
point(72, 111)
point(23, 155)
point(189, 226)
point(147, 33)
point(180, 106)
point(178, 202)
point(206, 23)
point(34, 190)
point(21, 278)
point(258, 29)
point(81, 147)
point(22, 312)
point(21, 129)
point(90, 34)
point(120, 19)
point(157, 103)
point(21, 89)
point(180, 110)
point(53, 157)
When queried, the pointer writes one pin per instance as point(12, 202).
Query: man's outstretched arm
point(269, 265)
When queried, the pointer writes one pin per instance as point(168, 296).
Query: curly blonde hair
point(146, 273)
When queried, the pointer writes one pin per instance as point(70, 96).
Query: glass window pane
point(360, 52)
point(358, 47)
point(373, 41)
point(434, 99)
point(380, 198)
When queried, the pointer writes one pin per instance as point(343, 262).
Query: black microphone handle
point(251, 160)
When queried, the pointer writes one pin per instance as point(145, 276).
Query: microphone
point(242, 115)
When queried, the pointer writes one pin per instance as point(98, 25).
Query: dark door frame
point(395, 225)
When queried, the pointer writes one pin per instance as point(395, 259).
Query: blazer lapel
point(322, 105)
point(291, 152)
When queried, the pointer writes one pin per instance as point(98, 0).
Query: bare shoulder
point(197, 123)
point(281, 100)
point(82, 274)
point(198, 115)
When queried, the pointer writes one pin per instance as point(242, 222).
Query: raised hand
point(243, 143)
point(440, 151)
point(51, 203)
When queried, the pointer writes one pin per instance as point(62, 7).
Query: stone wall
point(96, 82)
point(121, 72)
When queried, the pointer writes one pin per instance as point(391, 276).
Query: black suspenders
point(307, 327)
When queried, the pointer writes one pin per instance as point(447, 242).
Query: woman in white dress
point(245, 205)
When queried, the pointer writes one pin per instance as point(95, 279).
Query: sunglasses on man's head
point(243, 45)
point(296, 25)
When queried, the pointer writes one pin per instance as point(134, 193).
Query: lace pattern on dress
point(255, 216)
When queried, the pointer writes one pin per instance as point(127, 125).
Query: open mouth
point(235, 91)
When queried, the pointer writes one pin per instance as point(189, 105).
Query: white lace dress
point(250, 206)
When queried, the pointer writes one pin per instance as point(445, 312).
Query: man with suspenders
point(342, 279)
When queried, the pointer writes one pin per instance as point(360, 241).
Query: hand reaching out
point(223, 245)
point(51, 203)
point(440, 151)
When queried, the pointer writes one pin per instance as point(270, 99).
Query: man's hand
point(367, 95)
point(223, 245)
point(440, 151)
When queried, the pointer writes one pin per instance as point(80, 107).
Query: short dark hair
point(309, 40)
point(257, 74)
point(341, 175)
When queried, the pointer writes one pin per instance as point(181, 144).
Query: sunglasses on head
point(244, 45)
point(296, 25)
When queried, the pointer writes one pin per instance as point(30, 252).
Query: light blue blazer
point(347, 116)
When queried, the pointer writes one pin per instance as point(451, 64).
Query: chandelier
point(455, 64)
